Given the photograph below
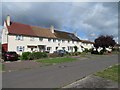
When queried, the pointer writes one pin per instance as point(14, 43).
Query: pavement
point(59, 75)
point(93, 81)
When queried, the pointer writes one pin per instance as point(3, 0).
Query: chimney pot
point(52, 28)
point(8, 20)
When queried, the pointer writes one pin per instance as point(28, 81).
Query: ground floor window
point(49, 48)
point(56, 48)
point(68, 48)
point(20, 48)
point(63, 48)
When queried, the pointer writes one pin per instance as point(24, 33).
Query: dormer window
point(19, 37)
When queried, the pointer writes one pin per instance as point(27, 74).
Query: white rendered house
point(22, 38)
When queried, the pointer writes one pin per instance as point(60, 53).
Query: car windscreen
point(11, 53)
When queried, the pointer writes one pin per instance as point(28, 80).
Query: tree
point(104, 42)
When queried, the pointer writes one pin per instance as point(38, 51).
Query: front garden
point(43, 55)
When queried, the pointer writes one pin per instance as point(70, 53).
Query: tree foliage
point(104, 41)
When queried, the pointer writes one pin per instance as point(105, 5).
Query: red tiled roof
point(20, 29)
point(23, 29)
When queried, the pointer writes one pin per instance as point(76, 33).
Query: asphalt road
point(56, 76)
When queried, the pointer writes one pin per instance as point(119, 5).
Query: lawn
point(56, 60)
point(1, 66)
point(110, 73)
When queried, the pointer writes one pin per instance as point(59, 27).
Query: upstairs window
point(19, 37)
point(63, 41)
point(32, 38)
point(40, 39)
point(54, 40)
point(49, 40)
point(68, 41)
point(72, 41)
point(20, 48)
point(59, 40)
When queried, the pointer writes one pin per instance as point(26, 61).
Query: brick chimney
point(52, 28)
point(8, 20)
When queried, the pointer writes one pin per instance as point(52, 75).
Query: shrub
point(25, 56)
point(101, 52)
point(94, 52)
point(52, 55)
point(37, 55)
point(74, 53)
point(86, 50)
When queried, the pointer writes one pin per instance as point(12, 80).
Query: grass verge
point(112, 73)
point(56, 60)
point(1, 66)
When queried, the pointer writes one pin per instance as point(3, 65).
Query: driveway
point(59, 75)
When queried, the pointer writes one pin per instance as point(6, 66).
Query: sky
point(88, 19)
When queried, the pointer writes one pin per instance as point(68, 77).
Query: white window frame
point(20, 48)
point(49, 48)
point(54, 40)
point(49, 40)
point(19, 37)
point(63, 41)
point(40, 39)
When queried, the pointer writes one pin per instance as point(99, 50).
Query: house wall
point(4, 34)
point(13, 43)
point(87, 45)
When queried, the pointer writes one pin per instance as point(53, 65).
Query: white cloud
point(92, 19)
point(60, 1)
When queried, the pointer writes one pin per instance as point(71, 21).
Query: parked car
point(10, 56)
point(61, 52)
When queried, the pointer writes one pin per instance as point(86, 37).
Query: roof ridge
point(64, 32)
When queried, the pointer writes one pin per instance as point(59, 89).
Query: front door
point(41, 48)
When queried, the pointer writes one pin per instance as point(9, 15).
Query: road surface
point(59, 75)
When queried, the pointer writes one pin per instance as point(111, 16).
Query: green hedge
point(37, 55)
point(33, 55)
point(25, 56)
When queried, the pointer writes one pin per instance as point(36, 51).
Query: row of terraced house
point(23, 38)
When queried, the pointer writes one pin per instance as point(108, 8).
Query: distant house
point(22, 38)
point(87, 44)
